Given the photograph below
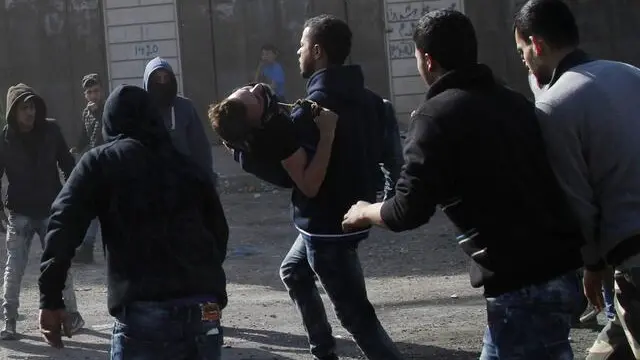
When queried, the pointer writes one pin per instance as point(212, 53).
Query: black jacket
point(475, 147)
point(354, 169)
point(32, 160)
point(163, 226)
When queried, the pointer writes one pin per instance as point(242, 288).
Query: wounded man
point(264, 139)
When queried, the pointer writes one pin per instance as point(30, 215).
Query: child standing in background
point(270, 71)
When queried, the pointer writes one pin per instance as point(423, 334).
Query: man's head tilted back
point(235, 117)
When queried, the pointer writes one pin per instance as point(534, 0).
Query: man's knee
point(295, 275)
point(356, 315)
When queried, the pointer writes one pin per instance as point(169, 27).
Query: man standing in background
point(90, 137)
point(179, 115)
point(32, 151)
point(589, 120)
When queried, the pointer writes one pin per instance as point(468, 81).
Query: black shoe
point(329, 357)
point(84, 255)
point(9, 331)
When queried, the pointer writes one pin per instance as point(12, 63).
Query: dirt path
point(416, 280)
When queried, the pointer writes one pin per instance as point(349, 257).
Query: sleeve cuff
point(387, 214)
point(48, 302)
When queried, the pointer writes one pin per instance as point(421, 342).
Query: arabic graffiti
point(414, 10)
point(402, 18)
point(402, 49)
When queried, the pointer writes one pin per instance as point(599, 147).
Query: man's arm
point(199, 145)
point(216, 221)
point(82, 143)
point(419, 188)
point(71, 213)
point(308, 172)
point(65, 159)
point(565, 151)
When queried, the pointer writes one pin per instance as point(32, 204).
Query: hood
point(128, 113)
point(344, 81)
point(155, 64)
point(19, 92)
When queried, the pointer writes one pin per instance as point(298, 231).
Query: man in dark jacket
point(90, 137)
point(475, 148)
point(32, 150)
point(322, 248)
point(165, 234)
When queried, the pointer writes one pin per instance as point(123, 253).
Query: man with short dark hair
point(32, 154)
point(589, 118)
point(90, 137)
point(322, 248)
point(474, 148)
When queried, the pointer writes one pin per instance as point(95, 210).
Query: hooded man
point(178, 113)
point(164, 231)
point(32, 150)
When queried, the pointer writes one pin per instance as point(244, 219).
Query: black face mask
point(162, 94)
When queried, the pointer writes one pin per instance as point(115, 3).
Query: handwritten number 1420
point(146, 50)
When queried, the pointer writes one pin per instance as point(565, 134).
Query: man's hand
point(326, 122)
point(355, 218)
point(53, 323)
point(592, 282)
point(92, 106)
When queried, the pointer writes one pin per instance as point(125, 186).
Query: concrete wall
point(50, 45)
point(215, 44)
point(137, 31)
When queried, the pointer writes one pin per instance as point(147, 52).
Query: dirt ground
point(416, 280)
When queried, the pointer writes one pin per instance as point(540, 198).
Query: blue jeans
point(165, 331)
point(20, 232)
point(338, 268)
point(532, 323)
point(92, 233)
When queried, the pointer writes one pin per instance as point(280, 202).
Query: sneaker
point(84, 255)
point(76, 322)
point(9, 331)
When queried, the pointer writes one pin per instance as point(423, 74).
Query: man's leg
point(339, 270)
point(153, 331)
point(532, 323)
point(297, 276)
point(69, 292)
point(20, 232)
point(627, 301)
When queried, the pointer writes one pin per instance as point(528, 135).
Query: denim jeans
point(20, 232)
point(165, 331)
point(338, 268)
point(532, 323)
point(92, 234)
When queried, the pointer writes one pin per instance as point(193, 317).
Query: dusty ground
point(411, 279)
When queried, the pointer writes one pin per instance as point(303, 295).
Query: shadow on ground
point(262, 232)
point(297, 345)
point(36, 347)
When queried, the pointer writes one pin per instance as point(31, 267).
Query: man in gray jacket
point(589, 118)
point(180, 116)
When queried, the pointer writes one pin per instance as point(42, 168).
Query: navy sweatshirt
point(355, 155)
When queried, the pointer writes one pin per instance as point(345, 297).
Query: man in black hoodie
point(475, 148)
point(164, 231)
point(322, 248)
point(32, 150)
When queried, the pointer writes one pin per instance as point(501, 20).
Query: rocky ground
point(416, 280)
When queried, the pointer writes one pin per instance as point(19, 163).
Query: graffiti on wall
point(401, 22)
point(145, 50)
